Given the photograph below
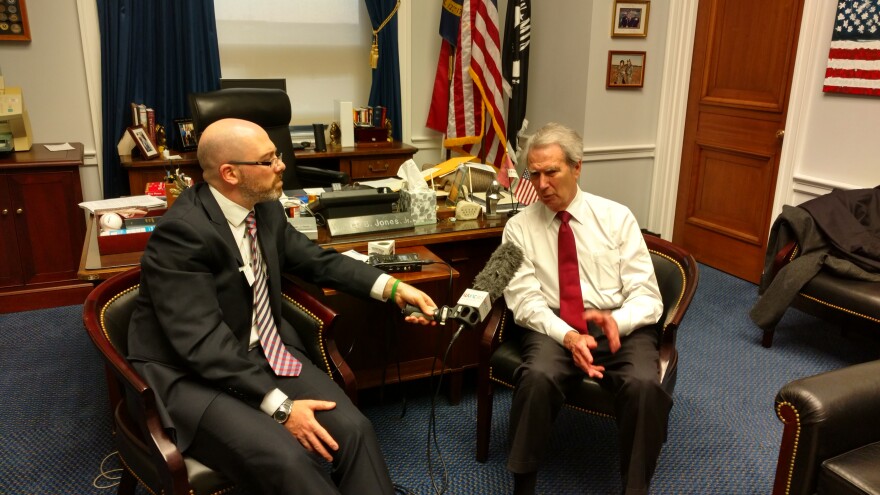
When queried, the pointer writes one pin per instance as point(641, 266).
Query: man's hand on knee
point(303, 425)
point(580, 346)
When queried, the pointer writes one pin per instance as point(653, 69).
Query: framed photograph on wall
point(14, 21)
point(146, 146)
point(625, 70)
point(630, 19)
point(186, 135)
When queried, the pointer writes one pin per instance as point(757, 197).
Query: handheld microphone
point(474, 304)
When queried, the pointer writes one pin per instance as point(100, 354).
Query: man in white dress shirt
point(608, 332)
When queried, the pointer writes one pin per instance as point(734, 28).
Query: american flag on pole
point(476, 115)
point(854, 58)
point(525, 192)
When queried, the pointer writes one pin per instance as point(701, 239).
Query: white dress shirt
point(614, 266)
point(235, 216)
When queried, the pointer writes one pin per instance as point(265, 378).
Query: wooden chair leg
point(767, 341)
point(484, 416)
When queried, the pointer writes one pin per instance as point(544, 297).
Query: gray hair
point(567, 139)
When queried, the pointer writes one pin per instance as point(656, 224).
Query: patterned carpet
point(723, 432)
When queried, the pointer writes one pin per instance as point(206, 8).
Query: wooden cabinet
point(42, 229)
point(141, 171)
point(360, 162)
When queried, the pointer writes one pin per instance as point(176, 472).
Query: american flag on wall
point(854, 58)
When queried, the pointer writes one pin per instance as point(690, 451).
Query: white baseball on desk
point(110, 221)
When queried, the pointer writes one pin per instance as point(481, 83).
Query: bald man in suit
point(197, 333)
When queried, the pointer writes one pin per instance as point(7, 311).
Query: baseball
point(110, 221)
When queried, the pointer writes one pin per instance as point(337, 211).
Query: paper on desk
point(104, 205)
point(395, 183)
point(59, 147)
point(482, 166)
point(356, 255)
point(316, 191)
point(390, 182)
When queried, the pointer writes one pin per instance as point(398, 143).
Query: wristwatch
point(283, 411)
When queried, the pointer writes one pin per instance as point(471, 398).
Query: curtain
point(152, 52)
point(385, 89)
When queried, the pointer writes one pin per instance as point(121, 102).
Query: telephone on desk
point(354, 202)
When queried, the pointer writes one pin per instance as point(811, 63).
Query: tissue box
point(421, 205)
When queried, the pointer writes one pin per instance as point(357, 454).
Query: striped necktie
point(571, 301)
point(280, 359)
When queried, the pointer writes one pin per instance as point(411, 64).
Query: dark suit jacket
point(190, 331)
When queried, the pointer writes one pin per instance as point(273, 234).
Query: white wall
point(831, 140)
point(51, 72)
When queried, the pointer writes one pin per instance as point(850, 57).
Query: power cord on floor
point(108, 478)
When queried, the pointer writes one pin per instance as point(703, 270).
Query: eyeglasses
point(275, 161)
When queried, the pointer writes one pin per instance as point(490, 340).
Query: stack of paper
point(104, 205)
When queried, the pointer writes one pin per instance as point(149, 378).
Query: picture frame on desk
point(14, 21)
point(144, 144)
point(186, 135)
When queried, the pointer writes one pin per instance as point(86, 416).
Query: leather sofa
point(831, 438)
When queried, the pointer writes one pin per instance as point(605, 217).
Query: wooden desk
point(359, 162)
point(465, 246)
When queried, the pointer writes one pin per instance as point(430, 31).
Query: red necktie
point(571, 302)
point(280, 359)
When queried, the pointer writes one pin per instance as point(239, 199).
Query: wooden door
point(743, 60)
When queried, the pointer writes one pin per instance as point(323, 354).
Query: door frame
point(673, 109)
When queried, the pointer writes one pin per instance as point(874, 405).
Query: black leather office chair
point(677, 277)
point(270, 109)
point(147, 453)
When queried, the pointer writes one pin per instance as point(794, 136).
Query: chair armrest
point(314, 322)
point(492, 332)
point(825, 415)
point(783, 257)
point(314, 176)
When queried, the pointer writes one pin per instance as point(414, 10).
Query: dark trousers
point(249, 446)
point(641, 405)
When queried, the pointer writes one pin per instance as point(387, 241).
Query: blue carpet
point(723, 432)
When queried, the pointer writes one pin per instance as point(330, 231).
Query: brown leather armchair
point(270, 109)
point(147, 453)
point(847, 301)
point(677, 277)
point(831, 438)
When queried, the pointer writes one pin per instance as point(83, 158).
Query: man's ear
point(229, 174)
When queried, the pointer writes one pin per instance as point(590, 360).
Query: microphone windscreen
point(499, 270)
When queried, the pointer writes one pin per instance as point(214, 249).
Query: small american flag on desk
point(854, 58)
point(525, 192)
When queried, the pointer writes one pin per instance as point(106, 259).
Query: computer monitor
point(254, 83)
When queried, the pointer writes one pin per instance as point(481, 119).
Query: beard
point(252, 191)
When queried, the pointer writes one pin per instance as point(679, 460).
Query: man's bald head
point(223, 141)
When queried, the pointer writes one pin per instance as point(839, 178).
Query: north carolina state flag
point(450, 20)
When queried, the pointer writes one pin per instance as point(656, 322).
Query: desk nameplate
point(369, 223)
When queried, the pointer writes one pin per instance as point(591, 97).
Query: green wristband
point(394, 290)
